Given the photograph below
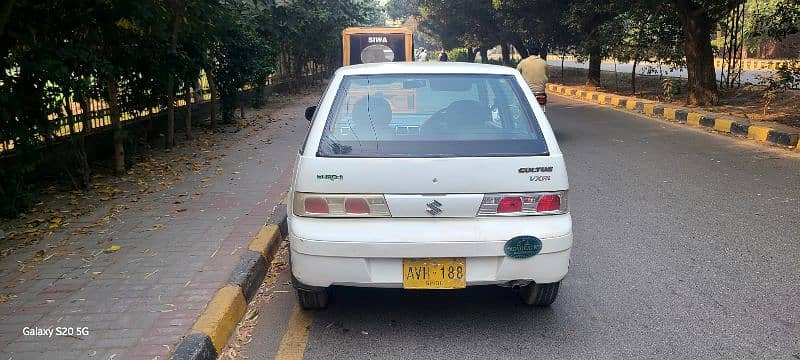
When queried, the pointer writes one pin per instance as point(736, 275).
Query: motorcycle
point(541, 98)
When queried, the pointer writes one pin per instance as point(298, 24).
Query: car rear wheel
point(312, 299)
point(539, 294)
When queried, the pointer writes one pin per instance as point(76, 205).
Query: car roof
point(425, 68)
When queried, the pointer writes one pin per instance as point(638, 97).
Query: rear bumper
point(373, 255)
point(324, 271)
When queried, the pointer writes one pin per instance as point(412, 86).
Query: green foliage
point(459, 23)
point(457, 55)
point(241, 56)
point(650, 32)
point(770, 20)
point(669, 89)
point(402, 9)
point(785, 78)
point(123, 50)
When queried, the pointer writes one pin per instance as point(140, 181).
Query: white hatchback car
point(429, 176)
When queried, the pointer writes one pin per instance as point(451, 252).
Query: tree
point(402, 9)
point(699, 18)
point(461, 23)
point(596, 30)
point(649, 33)
point(242, 56)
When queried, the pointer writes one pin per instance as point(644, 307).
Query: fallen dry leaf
point(113, 248)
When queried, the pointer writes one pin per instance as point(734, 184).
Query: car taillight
point(548, 203)
point(356, 206)
point(544, 203)
point(509, 204)
point(340, 205)
point(541, 99)
point(314, 204)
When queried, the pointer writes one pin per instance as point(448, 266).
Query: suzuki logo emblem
point(433, 208)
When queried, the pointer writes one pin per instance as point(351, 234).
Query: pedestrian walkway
point(132, 287)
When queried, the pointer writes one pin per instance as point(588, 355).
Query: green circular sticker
point(521, 247)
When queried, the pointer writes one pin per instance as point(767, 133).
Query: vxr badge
point(434, 208)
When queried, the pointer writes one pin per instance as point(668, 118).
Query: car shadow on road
point(377, 322)
point(437, 307)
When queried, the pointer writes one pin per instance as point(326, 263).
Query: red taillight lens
point(340, 205)
point(356, 206)
point(549, 203)
point(534, 203)
point(509, 205)
point(316, 205)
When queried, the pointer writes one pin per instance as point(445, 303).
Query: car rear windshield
point(430, 115)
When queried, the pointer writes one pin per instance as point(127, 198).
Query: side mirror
point(310, 112)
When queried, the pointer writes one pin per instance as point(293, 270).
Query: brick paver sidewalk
point(177, 248)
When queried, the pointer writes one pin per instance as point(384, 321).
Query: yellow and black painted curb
point(708, 121)
point(757, 64)
point(747, 64)
point(218, 320)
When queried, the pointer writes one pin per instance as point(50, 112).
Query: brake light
point(340, 205)
point(509, 205)
point(316, 205)
point(548, 203)
point(356, 206)
point(544, 203)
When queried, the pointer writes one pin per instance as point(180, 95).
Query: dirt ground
point(745, 102)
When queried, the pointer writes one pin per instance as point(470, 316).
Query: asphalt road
point(748, 76)
point(686, 246)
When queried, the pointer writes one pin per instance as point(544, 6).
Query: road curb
point(747, 64)
point(218, 320)
point(707, 121)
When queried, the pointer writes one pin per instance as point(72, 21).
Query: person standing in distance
point(534, 70)
point(443, 56)
point(422, 55)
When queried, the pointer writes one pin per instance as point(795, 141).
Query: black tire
point(539, 294)
point(312, 300)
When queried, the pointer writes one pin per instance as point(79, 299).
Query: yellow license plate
point(435, 273)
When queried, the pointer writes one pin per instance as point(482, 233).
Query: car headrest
point(467, 113)
point(370, 111)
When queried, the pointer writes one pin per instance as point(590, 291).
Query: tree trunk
point(5, 13)
point(212, 86)
point(112, 90)
point(595, 60)
point(697, 26)
point(86, 121)
point(173, 51)
point(521, 49)
point(78, 149)
point(633, 76)
point(484, 50)
point(187, 120)
point(470, 54)
point(563, 55)
point(198, 91)
point(170, 112)
point(86, 117)
point(506, 51)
